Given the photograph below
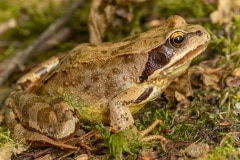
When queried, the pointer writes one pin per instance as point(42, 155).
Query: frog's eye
point(177, 39)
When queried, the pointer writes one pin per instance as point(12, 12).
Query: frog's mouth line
point(192, 54)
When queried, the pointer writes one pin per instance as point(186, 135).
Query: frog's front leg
point(120, 114)
point(21, 133)
point(56, 119)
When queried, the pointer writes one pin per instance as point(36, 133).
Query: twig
point(18, 59)
point(54, 40)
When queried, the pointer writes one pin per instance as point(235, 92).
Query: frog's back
point(136, 44)
point(100, 71)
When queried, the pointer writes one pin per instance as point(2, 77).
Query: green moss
point(185, 7)
point(224, 152)
point(125, 141)
point(4, 135)
point(226, 36)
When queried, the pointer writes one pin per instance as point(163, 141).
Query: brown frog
point(107, 82)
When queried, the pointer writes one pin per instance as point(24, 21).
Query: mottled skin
point(107, 82)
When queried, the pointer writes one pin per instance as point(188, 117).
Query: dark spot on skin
point(86, 88)
point(42, 71)
point(114, 52)
point(131, 38)
point(92, 66)
point(104, 52)
point(129, 58)
point(43, 116)
point(110, 86)
point(191, 34)
point(143, 77)
point(80, 79)
point(96, 77)
point(157, 36)
point(25, 84)
point(144, 95)
point(116, 71)
point(76, 113)
point(92, 45)
point(125, 46)
point(30, 103)
point(109, 76)
point(158, 58)
point(85, 64)
point(73, 83)
point(160, 29)
point(56, 101)
point(199, 33)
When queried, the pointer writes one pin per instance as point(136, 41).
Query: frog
point(103, 82)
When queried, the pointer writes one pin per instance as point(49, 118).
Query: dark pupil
point(178, 39)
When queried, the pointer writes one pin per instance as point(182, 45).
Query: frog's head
point(183, 42)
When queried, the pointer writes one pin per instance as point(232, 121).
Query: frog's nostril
point(199, 33)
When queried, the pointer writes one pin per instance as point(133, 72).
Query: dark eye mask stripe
point(158, 57)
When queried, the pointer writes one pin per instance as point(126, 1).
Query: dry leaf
point(233, 82)
point(179, 96)
point(104, 13)
point(97, 22)
point(206, 73)
point(182, 113)
point(148, 154)
point(181, 85)
point(196, 150)
point(82, 157)
point(224, 12)
point(236, 72)
point(9, 149)
point(47, 157)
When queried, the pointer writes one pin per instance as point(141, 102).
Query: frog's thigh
point(29, 80)
point(120, 115)
point(56, 120)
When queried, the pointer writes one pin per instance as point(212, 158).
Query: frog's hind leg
point(22, 134)
point(32, 78)
point(57, 119)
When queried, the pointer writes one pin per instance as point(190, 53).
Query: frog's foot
point(162, 139)
point(37, 139)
